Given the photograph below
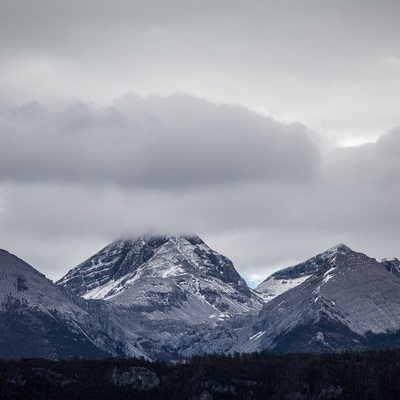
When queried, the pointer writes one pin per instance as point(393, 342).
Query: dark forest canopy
point(364, 375)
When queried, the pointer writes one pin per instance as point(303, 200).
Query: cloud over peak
point(153, 142)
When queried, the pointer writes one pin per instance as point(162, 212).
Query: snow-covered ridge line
point(291, 277)
point(164, 290)
point(167, 297)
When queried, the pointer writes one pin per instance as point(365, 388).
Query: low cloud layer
point(167, 143)
point(265, 193)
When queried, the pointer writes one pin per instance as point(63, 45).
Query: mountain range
point(172, 297)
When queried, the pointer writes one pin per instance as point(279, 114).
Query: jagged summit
point(117, 259)
point(168, 293)
point(312, 264)
point(350, 302)
point(111, 270)
point(290, 277)
point(183, 261)
point(338, 249)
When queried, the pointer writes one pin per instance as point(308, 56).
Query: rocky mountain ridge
point(171, 297)
point(167, 293)
point(288, 278)
point(40, 319)
point(118, 272)
point(350, 302)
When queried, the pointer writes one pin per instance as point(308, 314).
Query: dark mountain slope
point(40, 319)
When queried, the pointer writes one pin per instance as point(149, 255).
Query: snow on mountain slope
point(38, 318)
point(392, 265)
point(166, 292)
point(290, 277)
point(168, 297)
point(160, 272)
point(349, 303)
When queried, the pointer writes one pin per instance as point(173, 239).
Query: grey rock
point(350, 303)
point(53, 377)
point(138, 378)
point(167, 293)
point(331, 392)
point(40, 319)
point(288, 278)
point(392, 265)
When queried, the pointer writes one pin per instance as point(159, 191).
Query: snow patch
point(257, 335)
point(328, 275)
point(272, 287)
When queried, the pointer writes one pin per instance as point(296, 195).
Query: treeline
point(364, 376)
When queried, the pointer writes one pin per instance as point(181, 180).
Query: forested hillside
point(367, 375)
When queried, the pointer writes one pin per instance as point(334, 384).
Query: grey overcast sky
point(270, 129)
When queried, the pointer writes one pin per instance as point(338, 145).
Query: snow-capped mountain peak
point(166, 292)
point(351, 302)
point(123, 263)
point(338, 249)
point(288, 278)
point(159, 271)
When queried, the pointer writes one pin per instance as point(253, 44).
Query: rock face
point(138, 378)
point(392, 265)
point(167, 293)
point(184, 260)
point(40, 319)
point(171, 297)
point(288, 278)
point(350, 302)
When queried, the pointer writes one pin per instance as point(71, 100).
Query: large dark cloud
point(154, 142)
